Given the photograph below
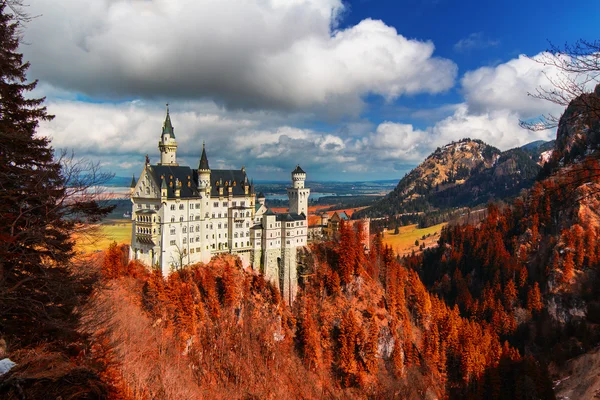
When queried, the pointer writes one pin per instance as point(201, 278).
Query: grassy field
point(404, 242)
point(109, 231)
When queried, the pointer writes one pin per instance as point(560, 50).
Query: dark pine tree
point(39, 208)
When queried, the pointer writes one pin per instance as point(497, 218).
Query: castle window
point(224, 204)
point(184, 240)
point(206, 215)
point(219, 226)
point(172, 207)
point(172, 231)
point(181, 206)
point(247, 243)
point(181, 219)
point(225, 225)
point(184, 230)
point(172, 219)
point(243, 203)
point(172, 243)
point(191, 251)
point(213, 215)
point(216, 204)
point(207, 237)
point(219, 215)
point(234, 203)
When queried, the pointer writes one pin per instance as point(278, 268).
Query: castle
point(181, 216)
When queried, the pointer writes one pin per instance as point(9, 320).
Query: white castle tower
point(298, 194)
point(167, 144)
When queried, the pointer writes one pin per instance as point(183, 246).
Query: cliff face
point(578, 134)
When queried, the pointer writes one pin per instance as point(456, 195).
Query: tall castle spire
point(203, 171)
point(203, 159)
point(167, 126)
point(167, 144)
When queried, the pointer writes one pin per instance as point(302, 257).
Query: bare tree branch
point(578, 68)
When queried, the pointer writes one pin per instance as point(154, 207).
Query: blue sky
point(353, 90)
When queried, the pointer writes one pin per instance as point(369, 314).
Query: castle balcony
point(145, 238)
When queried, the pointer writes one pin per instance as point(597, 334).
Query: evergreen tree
point(41, 202)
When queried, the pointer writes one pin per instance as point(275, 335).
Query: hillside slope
point(532, 269)
point(363, 326)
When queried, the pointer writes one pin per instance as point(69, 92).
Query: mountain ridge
point(465, 173)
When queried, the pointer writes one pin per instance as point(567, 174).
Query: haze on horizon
point(352, 91)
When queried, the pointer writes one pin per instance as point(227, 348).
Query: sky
point(350, 90)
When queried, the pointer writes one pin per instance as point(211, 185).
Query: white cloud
point(394, 141)
point(270, 54)
point(499, 128)
point(475, 41)
point(506, 87)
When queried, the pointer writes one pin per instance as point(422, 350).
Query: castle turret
point(132, 186)
point(203, 171)
point(167, 144)
point(163, 190)
point(261, 198)
point(298, 194)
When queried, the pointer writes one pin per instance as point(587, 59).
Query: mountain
point(462, 174)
